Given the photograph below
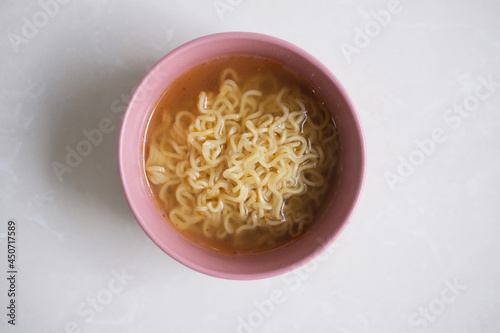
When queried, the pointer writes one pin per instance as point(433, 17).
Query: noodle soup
point(240, 154)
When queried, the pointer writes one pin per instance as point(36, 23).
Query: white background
point(421, 251)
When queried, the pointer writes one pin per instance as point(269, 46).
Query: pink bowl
point(324, 231)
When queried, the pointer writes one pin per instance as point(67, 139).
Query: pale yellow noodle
point(246, 159)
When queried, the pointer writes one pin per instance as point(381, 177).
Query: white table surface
point(421, 253)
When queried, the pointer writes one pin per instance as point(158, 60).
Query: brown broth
point(183, 94)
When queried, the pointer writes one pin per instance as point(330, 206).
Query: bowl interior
point(139, 196)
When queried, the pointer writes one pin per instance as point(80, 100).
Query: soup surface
point(240, 154)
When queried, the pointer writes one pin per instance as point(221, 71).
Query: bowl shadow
point(84, 136)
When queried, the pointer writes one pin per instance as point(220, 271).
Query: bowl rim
point(134, 201)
